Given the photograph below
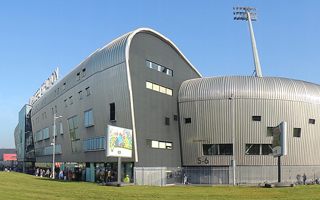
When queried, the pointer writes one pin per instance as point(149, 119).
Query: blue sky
point(38, 36)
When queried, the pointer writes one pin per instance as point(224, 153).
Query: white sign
point(45, 86)
point(279, 142)
point(119, 142)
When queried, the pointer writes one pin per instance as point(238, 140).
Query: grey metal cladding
point(206, 102)
point(249, 87)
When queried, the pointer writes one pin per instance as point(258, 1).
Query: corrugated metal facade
point(208, 102)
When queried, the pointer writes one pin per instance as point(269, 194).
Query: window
point(296, 132)
point(149, 85)
point(269, 131)
point(217, 149)
point(64, 86)
point(73, 128)
point(312, 121)
point(175, 117)
point(256, 118)
point(158, 88)
point(266, 149)
point(252, 149)
point(88, 118)
point(88, 91)
point(258, 149)
point(60, 128)
point(167, 121)
point(94, 144)
point(83, 72)
point(65, 103)
point(187, 120)
point(159, 144)
point(210, 149)
point(70, 100)
point(112, 107)
point(159, 68)
point(45, 133)
point(80, 94)
point(55, 109)
point(78, 76)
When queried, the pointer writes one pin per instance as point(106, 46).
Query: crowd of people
point(66, 174)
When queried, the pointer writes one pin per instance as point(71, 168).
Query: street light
point(231, 99)
point(249, 14)
point(54, 144)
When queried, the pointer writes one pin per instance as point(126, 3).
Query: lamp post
point(249, 14)
point(231, 98)
point(54, 144)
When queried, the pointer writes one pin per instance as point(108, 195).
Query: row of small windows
point(80, 96)
point(227, 149)
point(43, 134)
point(89, 144)
point(158, 88)
point(159, 68)
point(217, 149)
point(159, 144)
point(258, 149)
point(80, 74)
point(296, 132)
point(66, 102)
point(258, 118)
point(46, 151)
point(94, 144)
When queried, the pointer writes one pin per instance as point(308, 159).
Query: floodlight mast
point(249, 14)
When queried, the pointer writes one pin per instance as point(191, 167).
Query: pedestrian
point(185, 179)
point(304, 178)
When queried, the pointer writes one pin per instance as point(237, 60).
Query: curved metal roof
point(249, 87)
point(117, 51)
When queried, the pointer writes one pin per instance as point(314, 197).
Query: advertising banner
point(9, 157)
point(119, 142)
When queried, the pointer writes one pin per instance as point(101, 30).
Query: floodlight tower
point(249, 14)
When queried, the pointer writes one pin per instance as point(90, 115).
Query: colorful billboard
point(119, 142)
point(9, 157)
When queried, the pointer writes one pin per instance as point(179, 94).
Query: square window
point(187, 120)
point(149, 85)
point(312, 121)
point(162, 145)
point(269, 131)
point(256, 118)
point(296, 132)
point(167, 121)
point(175, 117)
point(163, 90)
point(154, 144)
point(266, 149)
point(252, 149)
point(156, 87)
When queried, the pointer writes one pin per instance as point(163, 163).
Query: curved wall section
point(256, 104)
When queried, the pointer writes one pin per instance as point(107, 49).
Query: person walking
point(304, 177)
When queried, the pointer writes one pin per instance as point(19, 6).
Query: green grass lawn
point(21, 186)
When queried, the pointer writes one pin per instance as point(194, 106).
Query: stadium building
point(182, 124)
